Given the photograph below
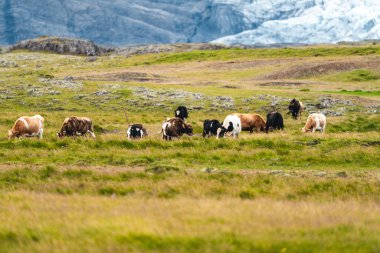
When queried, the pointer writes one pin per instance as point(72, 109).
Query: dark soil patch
point(125, 77)
point(316, 69)
point(240, 65)
point(281, 84)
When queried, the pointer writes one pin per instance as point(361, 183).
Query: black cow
point(210, 127)
point(181, 113)
point(136, 131)
point(295, 108)
point(275, 121)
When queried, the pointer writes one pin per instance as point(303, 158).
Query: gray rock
point(342, 174)
point(39, 91)
point(8, 64)
point(68, 82)
point(321, 174)
point(328, 102)
point(276, 172)
point(101, 93)
point(91, 59)
point(209, 170)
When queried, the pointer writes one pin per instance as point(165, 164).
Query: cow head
point(181, 112)
point(187, 129)
point(11, 135)
point(222, 130)
point(60, 134)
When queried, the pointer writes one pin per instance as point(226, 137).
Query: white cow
point(315, 122)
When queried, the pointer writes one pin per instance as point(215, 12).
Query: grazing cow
point(295, 108)
point(315, 122)
point(231, 126)
point(136, 131)
point(251, 121)
point(275, 121)
point(181, 113)
point(27, 127)
point(76, 126)
point(210, 127)
point(175, 128)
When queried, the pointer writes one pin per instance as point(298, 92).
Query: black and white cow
point(231, 126)
point(275, 121)
point(181, 113)
point(136, 131)
point(210, 127)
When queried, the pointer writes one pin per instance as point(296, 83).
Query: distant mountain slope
point(121, 22)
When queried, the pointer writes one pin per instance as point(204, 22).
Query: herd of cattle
point(175, 127)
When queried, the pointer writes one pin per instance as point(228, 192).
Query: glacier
point(324, 21)
point(250, 22)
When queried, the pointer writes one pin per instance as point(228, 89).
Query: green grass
point(228, 54)
point(175, 183)
point(359, 124)
point(268, 152)
point(360, 75)
point(357, 93)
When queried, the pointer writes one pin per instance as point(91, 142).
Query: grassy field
point(277, 192)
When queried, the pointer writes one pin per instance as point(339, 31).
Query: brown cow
point(251, 121)
point(76, 126)
point(28, 127)
point(175, 128)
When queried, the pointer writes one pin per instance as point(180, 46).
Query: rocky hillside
point(62, 46)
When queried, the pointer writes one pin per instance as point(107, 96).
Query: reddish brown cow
point(249, 122)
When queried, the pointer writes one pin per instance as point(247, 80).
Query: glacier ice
point(327, 21)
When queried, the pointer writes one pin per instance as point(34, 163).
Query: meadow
point(278, 192)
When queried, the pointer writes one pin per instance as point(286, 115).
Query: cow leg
point(40, 133)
